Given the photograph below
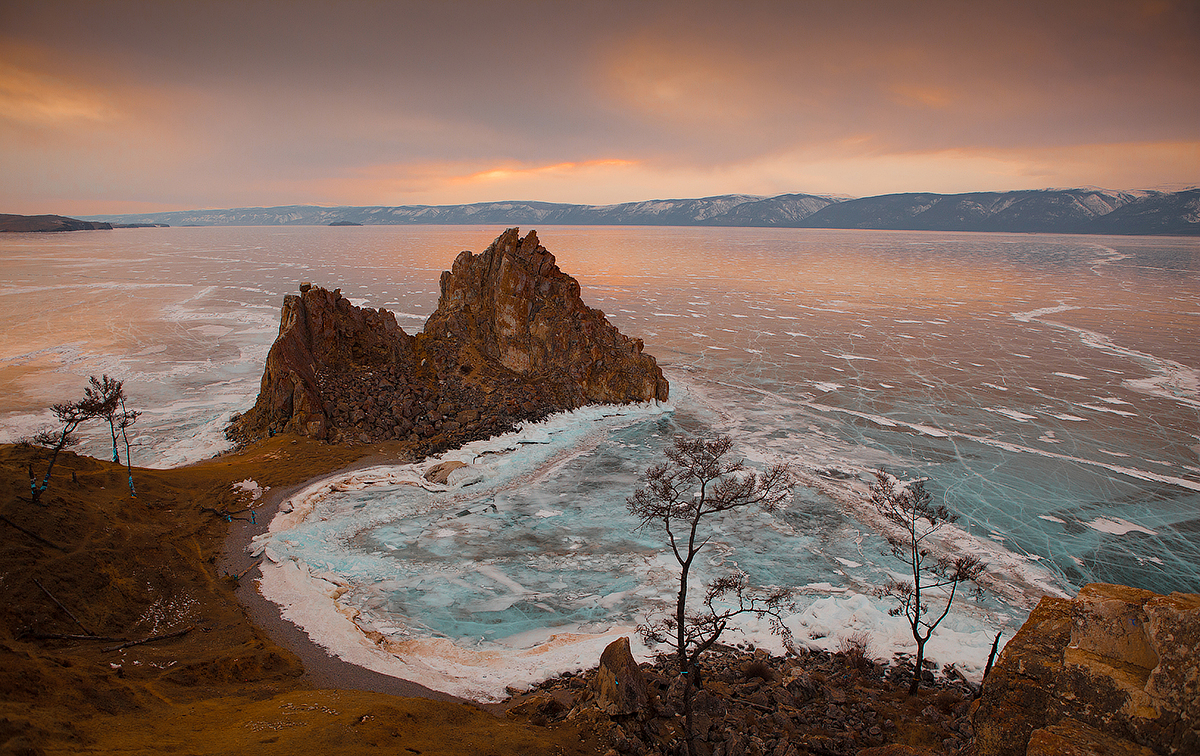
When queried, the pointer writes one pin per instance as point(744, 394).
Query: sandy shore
point(322, 668)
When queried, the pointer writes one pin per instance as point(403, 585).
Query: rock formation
point(511, 311)
point(1115, 670)
point(755, 704)
point(619, 685)
point(511, 340)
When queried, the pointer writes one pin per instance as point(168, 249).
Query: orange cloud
point(927, 96)
point(458, 182)
point(39, 99)
point(557, 170)
point(855, 166)
point(687, 82)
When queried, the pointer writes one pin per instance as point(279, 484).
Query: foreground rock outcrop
point(511, 340)
point(1115, 670)
point(755, 704)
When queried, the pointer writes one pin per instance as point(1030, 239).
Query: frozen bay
point(1047, 385)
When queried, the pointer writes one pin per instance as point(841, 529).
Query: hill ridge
point(1069, 211)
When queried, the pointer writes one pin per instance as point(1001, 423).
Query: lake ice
point(1047, 386)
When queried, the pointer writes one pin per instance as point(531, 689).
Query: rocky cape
point(26, 223)
point(511, 340)
point(120, 632)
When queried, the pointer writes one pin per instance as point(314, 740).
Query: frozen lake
point(1048, 386)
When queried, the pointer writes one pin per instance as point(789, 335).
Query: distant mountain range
point(1067, 211)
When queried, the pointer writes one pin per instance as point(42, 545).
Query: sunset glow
point(110, 106)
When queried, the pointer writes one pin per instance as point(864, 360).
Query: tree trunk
point(688, 693)
point(63, 440)
point(917, 670)
point(685, 666)
point(680, 612)
point(38, 490)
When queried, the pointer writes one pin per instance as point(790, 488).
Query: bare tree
point(126, 419)
point(71, 415)
point(107, 397)
point(695, 483)
point(102, 398)
point(907, 505)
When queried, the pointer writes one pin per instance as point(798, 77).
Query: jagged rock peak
point(511, 340)
point(514, 306)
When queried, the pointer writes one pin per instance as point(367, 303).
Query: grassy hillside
point(92, 561)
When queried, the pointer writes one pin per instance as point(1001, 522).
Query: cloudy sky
point(110, 107)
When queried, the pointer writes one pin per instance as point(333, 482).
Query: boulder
point(1071, 738)
point(620, 686)
point(1121, 661)
point(440, 473)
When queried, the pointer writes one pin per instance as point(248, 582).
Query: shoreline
point(322, 668)
point(325, 667)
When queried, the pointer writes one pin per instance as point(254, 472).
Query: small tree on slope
point(126, 419)
point(103, 398)
point(907, 505)
point(107, 398)
point(71, 415)
point(695, 483)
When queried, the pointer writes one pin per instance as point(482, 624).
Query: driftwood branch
point(60, 606)
point(151, 639)
point(253, 564)
point(225, 515)
point(32, 535)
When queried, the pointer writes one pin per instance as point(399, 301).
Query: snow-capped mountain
point(1074, 211)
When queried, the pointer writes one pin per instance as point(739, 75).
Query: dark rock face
point(511, 340)
point(754, 703)
point(1114, 664)
point(329, 351)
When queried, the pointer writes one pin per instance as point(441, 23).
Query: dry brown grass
point(855, 649)
point(130, 568)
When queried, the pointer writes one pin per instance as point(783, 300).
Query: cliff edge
point(1116, 670)
point(511, 340)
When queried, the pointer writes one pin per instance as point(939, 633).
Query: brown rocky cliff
point(321, 335)
point(1114, 665)
point(512, 306)
point(511, 340)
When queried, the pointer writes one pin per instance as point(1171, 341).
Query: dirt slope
point(122, 569)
